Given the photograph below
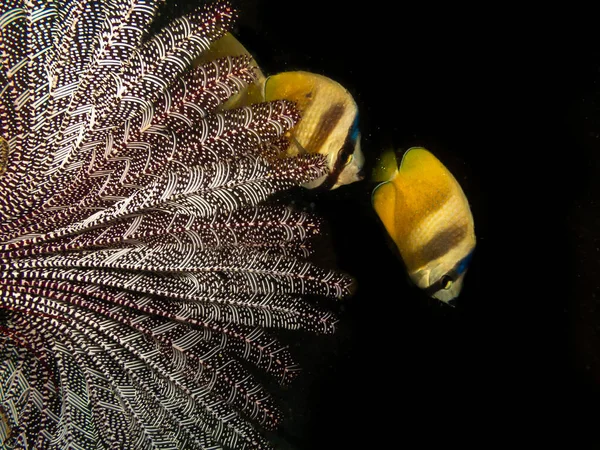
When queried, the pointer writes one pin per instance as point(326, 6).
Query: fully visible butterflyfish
point(427, 215)
point(328, 124)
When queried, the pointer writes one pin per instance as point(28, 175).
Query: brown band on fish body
point(443, 242)
point(327, 124)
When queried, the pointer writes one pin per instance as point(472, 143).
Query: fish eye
point(349, 159)
point(446, 282)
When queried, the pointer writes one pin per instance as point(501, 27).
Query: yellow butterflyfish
point(328, 124)
point(426, 213)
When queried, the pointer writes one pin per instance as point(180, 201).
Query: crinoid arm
point(143, 268)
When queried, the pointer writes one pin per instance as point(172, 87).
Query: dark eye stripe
point(327, 124)
point(340, 162)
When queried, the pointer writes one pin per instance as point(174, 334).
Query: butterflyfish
point(328, 124)
point(426, 213)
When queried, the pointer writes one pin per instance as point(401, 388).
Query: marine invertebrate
point(141, 268)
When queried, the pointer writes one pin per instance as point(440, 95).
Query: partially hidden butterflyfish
point(426, 213)
point(328, 124)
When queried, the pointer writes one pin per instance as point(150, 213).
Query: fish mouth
point(360, 175)
point(448, 296)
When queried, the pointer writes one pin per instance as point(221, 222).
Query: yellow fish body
point(427, 215)
point(329, 124)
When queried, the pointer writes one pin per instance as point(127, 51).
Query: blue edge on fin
point(354, 130)
point(464, 263)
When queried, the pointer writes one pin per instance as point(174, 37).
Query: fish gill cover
point(142, 264)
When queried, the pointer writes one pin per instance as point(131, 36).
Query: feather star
point(143, 267)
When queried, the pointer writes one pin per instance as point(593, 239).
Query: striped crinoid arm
point(138, 84)
point(145, 267)
point(138, 360)
point(200, 191)
point(206, 375)
point(160, 151)
point(25, 38)
point(52, 53)
point(262, 226)
point(117, 80)
point(29, 385)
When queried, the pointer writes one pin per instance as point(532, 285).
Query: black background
point(507, 99)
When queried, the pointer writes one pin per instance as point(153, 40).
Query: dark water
point(510, 102)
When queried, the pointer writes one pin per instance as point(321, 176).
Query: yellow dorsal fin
point(386, 166)
point(427, 182)
point(298, 87)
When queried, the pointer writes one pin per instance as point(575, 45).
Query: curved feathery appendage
point(70, 45)
point(146, 144)
point(122, 78)
point(3, 155)
point(196, 368)
point(275, 230)
point(35, 387)
point(144, 271)
point(208, 148)
point(197, 191)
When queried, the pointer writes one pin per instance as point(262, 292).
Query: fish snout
point(360, 175)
